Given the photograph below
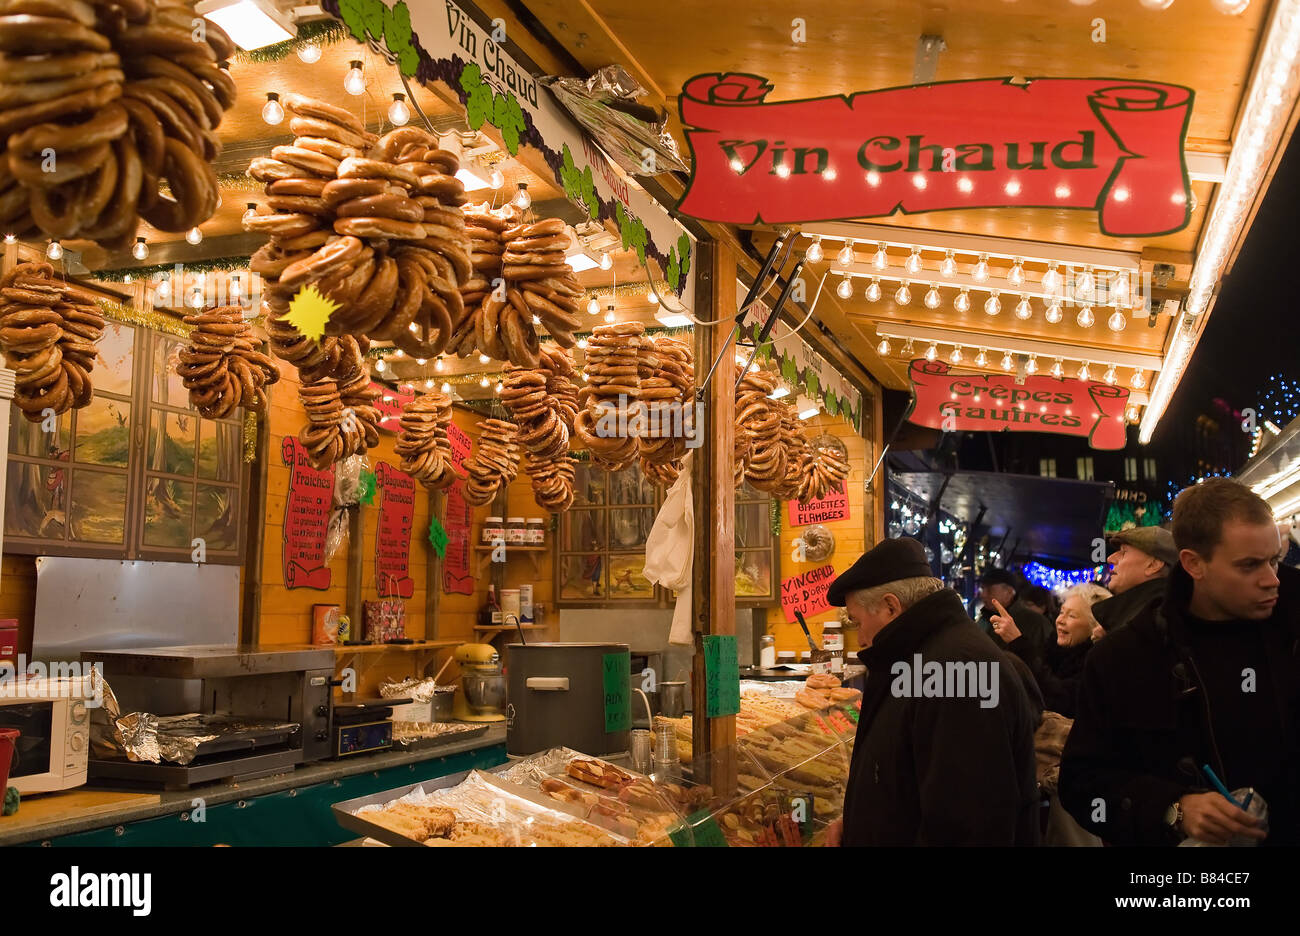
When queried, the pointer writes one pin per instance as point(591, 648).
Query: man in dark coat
point(999, 585)
point(1140, 562)
point(945, 743)
point(1208, 676)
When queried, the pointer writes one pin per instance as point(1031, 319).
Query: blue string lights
point(1055, 579)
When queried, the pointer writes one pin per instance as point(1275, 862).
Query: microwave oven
point(53, 721)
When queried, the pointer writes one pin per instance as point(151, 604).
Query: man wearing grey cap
point(945, 742)
point(1140, 561)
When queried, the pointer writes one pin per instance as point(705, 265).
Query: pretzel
point(422, 444)
point(193, 186)
point(303, 106)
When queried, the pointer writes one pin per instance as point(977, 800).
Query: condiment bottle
point(833, 640)
point(493, 530)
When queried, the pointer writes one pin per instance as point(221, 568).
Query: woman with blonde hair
point(1058, 668)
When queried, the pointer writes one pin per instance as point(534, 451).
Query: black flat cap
point(998, 577)
point(888, 561)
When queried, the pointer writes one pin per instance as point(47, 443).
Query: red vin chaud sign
point(1111, 145)
point(975, 402)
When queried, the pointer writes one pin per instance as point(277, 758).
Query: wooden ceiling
point(851, 46)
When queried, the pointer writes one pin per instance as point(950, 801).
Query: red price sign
point(834, 506)
point(393, 533)
point(390, 403)
point(306, 517)
point(461, 445)
point(807, 592)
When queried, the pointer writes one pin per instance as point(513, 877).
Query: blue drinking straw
point(1218, 785)
point(1246, 802)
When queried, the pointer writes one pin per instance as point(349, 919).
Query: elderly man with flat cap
point(1140, 561)
point(945, 741)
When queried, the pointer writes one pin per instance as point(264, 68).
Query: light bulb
point(446, 387)
point(1230, 7)
point(651, 296)
point(483, 382)
point(1016, 275)
point(163, 289)
point(992, 305)
point(606, 261)
point(399, 352)
point(496, 179)
point(884, 347)
point(1058, 369)
point(932, 352)
point(873, 291)
point(428, 384)
point(1023, 308)
point(609, 315)
point(1051, 279)
point(497, 389)
point(522, 200)
point(932, 298)
point(355, 82)
point(962, 302)
point(982, 359)
point(1086, 285)
point(1157, 4)
point(814, 253)
point(914, 261)
point(907, 349)
point(881, 259)
point(309, 53)
point(1119, 291)
point(981, 271)
point(196, 299)
point(1007, 362)
point(1138, 381)
point(249, 212)
point(421, 361)
point(483, 358)
point(1053, 314)
point(11, 238)
point(1031, 366)
point(845, 256)
point(593, 306)
point(194, 235)
point(272, 112)
point(399, 112)
point(54, 251)
point(956, 356)
point(904, 295)
point(1109, 376)
point(127, 278)
point(582, 343)
point(438, 365)
point(949, 265)
point(1085, 317)
point(1118, 321)
point(845, 289)
point(1131, 414)
point(1085, 372)
point(537, 320)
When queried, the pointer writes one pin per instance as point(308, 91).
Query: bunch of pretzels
point(222, 368)
point(824, 467)
point(553, 481)
point(47, 333)
point(338, 425)
point(765, 468)
point(612, 373)
point(100, 101)
point(543, 403)
point(670, 384)
point(495, 462)
point(483, 226)
point(423, 445)
point(797, 453)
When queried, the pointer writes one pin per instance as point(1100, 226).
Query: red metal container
point(8, 736)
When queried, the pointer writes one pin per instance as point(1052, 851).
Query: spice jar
point(515, 531)
point(536, 532)
point(493, 530)
point(833, 640)
point(767, 652)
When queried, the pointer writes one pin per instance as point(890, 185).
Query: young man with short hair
point(1209, 676)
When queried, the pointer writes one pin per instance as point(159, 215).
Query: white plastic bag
point(670, 551)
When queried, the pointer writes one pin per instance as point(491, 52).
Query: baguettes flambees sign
point(992, 403)
point(1111, 145)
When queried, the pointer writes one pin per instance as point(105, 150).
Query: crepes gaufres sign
point(975, 402)
point(1111, 145)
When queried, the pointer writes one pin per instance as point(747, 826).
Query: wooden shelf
point(340, 650)
point(485, 555)
point(509, 627)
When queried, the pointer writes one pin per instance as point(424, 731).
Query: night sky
point(1252, 332)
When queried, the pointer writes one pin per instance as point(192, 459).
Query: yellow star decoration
point(309, 311)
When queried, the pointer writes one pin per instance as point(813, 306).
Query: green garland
point(774, 511)
point(215, 265)
point(321, 32)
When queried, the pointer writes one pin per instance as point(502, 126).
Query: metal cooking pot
point(443, 699)
point(672, 699)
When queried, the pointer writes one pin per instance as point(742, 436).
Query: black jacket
point(1143, 726)
point(1057, 671)
point(1118, 610)
point(941, 771)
